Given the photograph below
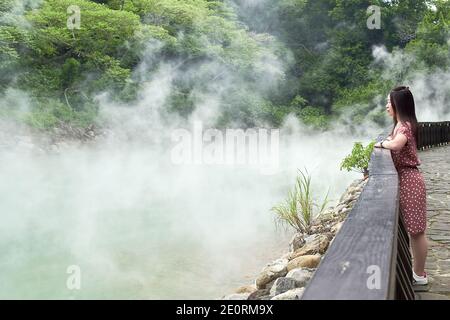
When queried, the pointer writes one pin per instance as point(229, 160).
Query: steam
point(431, 89)
point(140, 226)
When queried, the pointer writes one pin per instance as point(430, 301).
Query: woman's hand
point(377, 145)
point(395, 144)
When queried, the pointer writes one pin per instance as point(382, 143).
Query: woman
point(403, 145)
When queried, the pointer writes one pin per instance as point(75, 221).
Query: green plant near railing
point(299, 210)
point(358, 159)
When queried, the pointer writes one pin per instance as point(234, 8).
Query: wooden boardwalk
point(436, 170)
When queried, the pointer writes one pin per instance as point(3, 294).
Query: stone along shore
point(287, 277)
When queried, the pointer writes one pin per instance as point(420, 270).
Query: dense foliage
point(310, 58)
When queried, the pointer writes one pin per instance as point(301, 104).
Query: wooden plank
point(381, 163)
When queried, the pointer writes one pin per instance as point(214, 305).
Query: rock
point(258, 294)
point(356, 183)
point(294, 294)
point(350, 191)
point(330, 236)
point(283, 284)
point(308, 261)
point(300, 275)
point(328, 212)
point(236, 296)
point(271, 271)
point(344, 210)
point(318, 244)
point(352, 203)
point(246, 289)
point(339, 207)
point(316, 229)
point(296, 242)
point(286, 255)
point(346, 197)
point(270, 284)
point(335, 229)
point(362, 183)
point(311, 238)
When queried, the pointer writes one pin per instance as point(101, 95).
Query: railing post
point(433, 134)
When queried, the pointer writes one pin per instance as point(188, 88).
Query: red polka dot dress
point(413, 206)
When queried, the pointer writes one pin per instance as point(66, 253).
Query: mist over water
point(139, 226)
point(431, 90)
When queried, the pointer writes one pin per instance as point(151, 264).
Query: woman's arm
point(395, 144)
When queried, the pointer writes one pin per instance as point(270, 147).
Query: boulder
point(258, 294)
point(308, 261)
point(286, 256)
point(347, 197)
point(311, 238)
point(236, 296)
point(345, 210)
point(317, 229)
point(335, 229)
point(300, 275)
point(283, 284)
point(246, 289)
point(339, 207)
point(296, 242)
point(294, 294)
point(270, 284)
point(318, 244)
point(271, 272)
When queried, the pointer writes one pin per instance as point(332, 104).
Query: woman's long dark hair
point(402, 102)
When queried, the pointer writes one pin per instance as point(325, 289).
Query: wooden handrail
point(369, 259)
point(433, 134)
point(366, 246)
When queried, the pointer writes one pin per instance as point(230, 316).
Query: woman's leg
point(419, 246)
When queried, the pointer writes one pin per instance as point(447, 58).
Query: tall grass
point(299, 210)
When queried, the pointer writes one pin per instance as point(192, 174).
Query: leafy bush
point(314, 117)
point(358, 159)
point(300, 210)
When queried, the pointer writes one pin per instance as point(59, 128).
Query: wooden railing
point(369, 259)
point(433, 134)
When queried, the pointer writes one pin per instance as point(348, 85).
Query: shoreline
point(285, 278)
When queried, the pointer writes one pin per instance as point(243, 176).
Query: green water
point(136, 226)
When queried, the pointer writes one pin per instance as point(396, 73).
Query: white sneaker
point(420, 280)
